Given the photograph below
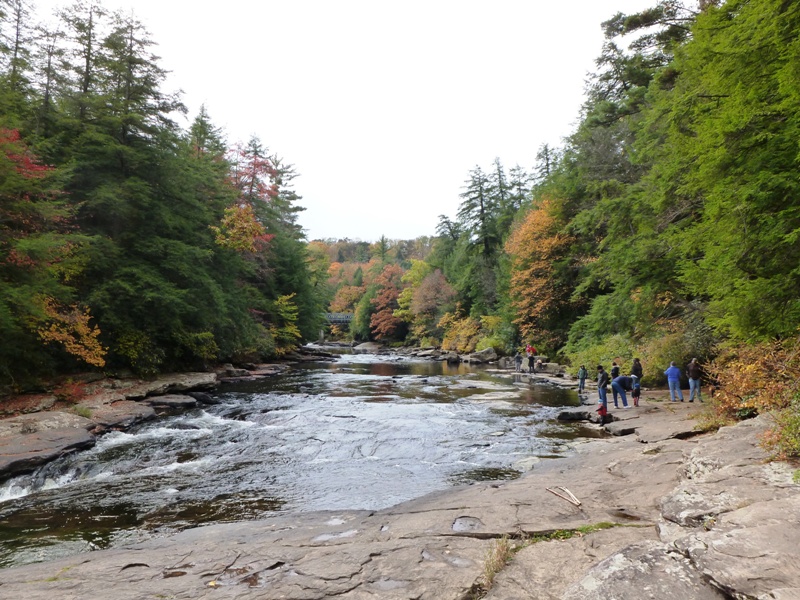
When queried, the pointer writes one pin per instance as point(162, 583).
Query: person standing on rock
point(518, 362)
point(614, 375)
point(695, 372)
point(602, 391)
point(620, 385)
point(531, 363)
point(674, 380)
point(636, 369)
point(582, 373)
point(637, 389)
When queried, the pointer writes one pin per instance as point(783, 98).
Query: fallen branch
point(566, 495)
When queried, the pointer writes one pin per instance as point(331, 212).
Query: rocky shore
point(664, 512)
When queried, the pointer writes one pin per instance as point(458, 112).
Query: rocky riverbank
point(38, 428)
point(664, 512)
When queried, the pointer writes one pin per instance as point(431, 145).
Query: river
point(364, 432)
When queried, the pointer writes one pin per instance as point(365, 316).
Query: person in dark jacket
point(614, 375)
point(602, 390)
point(636, 369)
point(695, 372)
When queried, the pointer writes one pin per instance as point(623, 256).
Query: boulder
point(369, 347)
point(484, 356)
point(204, 398)
point(452, 358)
point(25, 451)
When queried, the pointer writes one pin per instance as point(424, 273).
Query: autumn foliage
point(537, 294)
point(763, 378)
point(240, 230)
point(383, 323)
point(68, 326)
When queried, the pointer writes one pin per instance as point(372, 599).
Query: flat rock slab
point(24, 452)
point(27, 403)
point(343, 555)
point(172, 401)
point(753, 550)
point(545, 569)
point(25, 424)
point(165, 384)
point(121, 414)
point(646, 570)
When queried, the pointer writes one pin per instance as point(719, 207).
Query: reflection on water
point(365, 432)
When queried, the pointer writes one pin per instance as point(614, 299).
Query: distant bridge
point(339, 318)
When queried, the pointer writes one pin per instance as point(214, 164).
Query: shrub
point(616, 348)
point(758, 379)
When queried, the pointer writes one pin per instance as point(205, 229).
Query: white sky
point(383, 107)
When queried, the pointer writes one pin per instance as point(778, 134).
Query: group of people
point(530, 356)
point(620, 384)
point(693, 371)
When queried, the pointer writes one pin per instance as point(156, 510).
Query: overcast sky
point(383, 107)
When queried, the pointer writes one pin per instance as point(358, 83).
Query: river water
point(365, 432)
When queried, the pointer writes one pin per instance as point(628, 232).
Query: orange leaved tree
point(541, 275)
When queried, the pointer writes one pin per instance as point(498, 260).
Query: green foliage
point(284, 329)
point(141, 353)
point(121, 227)
point(617, 348)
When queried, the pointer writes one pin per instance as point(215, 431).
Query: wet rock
point(452, 358)
point(577, 413)
point(21, 453)
point(204, 398)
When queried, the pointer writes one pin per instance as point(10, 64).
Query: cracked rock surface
point(704, 517)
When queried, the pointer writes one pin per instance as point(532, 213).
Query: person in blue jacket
point(674, 380)
point(620, 385)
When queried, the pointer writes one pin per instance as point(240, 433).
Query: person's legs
point(614, 393)
point(603, 402)
point(618, 389)
point(693, 385)
point(673, 385)
point(581, 384)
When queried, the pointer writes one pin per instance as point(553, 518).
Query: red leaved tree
point(383, 323)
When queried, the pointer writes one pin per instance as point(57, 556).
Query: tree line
point(666, 226)
point(126, 241)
